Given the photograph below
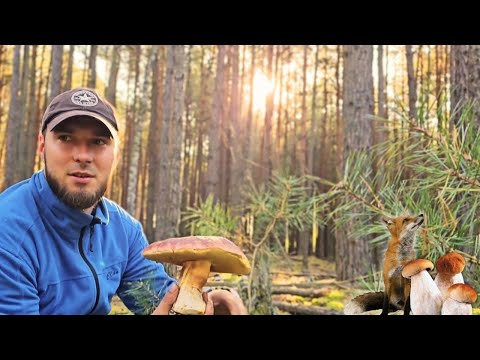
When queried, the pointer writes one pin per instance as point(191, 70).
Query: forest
point(293, 152)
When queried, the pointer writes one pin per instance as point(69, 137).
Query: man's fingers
point(167, 302)
point(209, 308)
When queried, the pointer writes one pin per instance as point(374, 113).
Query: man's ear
point(41, 145)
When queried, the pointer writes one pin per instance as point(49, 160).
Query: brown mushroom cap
point(462, 293)
point(415, 266)
point(451, 263)
point(223, 254)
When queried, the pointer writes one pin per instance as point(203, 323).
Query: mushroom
point(198, 255)
point(425, 298)
point(460, 298)
point(449, 271)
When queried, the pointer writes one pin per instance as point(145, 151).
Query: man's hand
point(171, 296)
point(227, 302)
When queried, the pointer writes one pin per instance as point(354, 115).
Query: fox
point(400, 251)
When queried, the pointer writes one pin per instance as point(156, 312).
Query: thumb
point(167, 302)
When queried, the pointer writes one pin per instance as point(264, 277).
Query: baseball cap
point(79, 101)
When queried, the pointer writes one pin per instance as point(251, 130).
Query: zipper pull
point(92, 224)
point(91, 242)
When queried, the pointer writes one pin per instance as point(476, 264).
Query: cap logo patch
point(84, 98)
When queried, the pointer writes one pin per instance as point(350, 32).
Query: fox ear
point(406, 213)
point(387, 221)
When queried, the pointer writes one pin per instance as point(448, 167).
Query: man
point(66, 249)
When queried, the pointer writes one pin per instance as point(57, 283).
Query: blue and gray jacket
point(58, 260)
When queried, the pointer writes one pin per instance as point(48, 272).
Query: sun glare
point(262, 87)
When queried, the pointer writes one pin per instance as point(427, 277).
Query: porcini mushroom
point(198, 255)
point(460, 298)
point(449, 271)
point(425, 298)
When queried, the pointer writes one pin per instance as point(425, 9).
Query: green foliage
point(286, 199)
point(144, 295)
point(335, 305)
point(373, 281)
point(210, 219)
point(333, 300)
point(336, 295)
point(426, 169)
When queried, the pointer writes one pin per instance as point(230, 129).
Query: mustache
point(82, 168)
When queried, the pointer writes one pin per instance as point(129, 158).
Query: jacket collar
point(64, 219)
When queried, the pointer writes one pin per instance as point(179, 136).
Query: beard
point(76, 199)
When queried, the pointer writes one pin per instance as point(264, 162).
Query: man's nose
point(82, 153)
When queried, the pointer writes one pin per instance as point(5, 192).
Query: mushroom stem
point(193, 277)
point(453, 307)
point(445, 280)
point(425, 298)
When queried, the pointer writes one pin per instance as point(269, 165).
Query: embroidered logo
point(111, 274)
point(84, 98)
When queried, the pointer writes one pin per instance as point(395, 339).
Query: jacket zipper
point(95, 277)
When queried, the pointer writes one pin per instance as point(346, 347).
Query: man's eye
point(100, 142)
point(64, 138)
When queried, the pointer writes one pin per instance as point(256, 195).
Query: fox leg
point(406, 308)
point(406, 294)
point(386, 303)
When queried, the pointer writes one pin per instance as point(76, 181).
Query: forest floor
point(316, 292)
point(293, 291)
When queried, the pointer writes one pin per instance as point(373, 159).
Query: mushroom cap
point(451, 263)
point(415, 266)
point(462, 293)
point(223, 254)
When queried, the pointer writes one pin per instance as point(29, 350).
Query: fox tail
point(365, 302)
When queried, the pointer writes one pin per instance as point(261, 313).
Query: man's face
point(79, 157)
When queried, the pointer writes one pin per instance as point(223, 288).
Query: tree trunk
point(111, 94)
point(267, 134)
point(340, 133)
point(353, 252)
point(465, 80)
point(154, 141)
point(196, 185)
point(56, 77)
point(234, 144)
point(164, 175)
point(214, 148)
point(412, 85)
point(13, 123)
point(188, 148)
point(260, 294)
point(177, 140)
point(68, 78)
point(134, 171)
point(22, 147)
point(135, 136)
point(92, 67)
point(247, 151)
point(32, 127)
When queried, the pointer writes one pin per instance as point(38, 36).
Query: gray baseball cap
point(79, 101)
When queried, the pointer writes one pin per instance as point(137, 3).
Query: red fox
point(400, 250)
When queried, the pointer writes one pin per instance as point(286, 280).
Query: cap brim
point(68, 114)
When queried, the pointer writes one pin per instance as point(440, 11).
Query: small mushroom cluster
point(447, 294)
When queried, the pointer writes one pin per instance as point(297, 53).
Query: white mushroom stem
point(445, 280)
point(460, 298)
point(425, 297)
point(453, 307)
point(193, 277)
